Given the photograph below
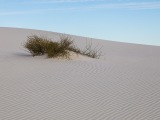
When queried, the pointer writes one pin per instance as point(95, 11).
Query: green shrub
point(66, 42)
point(54, 49)
point(36, 45)
point(42, 45)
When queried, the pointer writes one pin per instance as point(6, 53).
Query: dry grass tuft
point(41, 45)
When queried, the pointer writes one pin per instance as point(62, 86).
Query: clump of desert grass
point(38, 45)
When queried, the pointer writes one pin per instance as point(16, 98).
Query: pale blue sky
point(133, 21)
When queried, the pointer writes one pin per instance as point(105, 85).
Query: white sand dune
point(124, 84)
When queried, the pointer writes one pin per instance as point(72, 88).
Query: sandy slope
point(123, 85)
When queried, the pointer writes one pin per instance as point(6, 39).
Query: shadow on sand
point(20, 54)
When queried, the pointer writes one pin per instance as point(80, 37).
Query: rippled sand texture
point(124, 84)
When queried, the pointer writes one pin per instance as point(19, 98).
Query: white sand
point(124, 84)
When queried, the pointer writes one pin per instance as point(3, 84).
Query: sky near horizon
point(132, 21)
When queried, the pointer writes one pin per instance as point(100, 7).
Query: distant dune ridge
point(124, 84)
